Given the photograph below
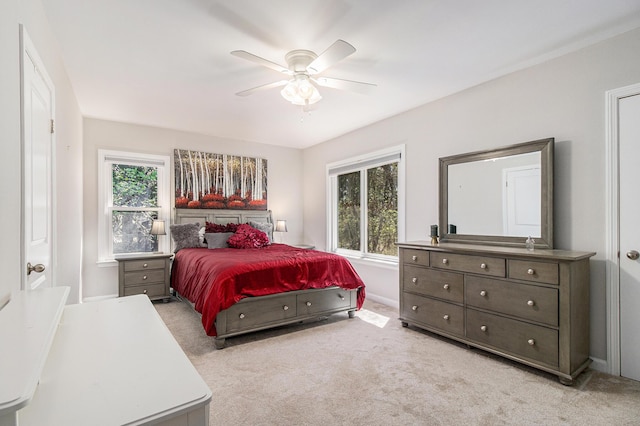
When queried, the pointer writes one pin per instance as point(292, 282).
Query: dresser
point(528, 306)
point(145, 274)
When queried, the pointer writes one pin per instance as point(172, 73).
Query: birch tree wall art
point(219, 181)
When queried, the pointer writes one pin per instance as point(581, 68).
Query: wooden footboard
point(260, 313)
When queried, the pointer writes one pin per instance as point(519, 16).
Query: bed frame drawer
point(324, 301)
point(248, 314)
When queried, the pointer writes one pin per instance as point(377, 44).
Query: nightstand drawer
point(152, 290)
point(144, 277)
point(140, 265)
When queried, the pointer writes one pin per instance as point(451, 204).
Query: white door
point(522, 201)
point(37, 148)
point(629, 146)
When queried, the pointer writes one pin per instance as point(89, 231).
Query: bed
point(238, 291)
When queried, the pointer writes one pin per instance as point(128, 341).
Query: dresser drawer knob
point(531, 303)
point(531, 271)
point(144, 265)
point(285, 308)
point(144, 291)
point(483, 293)
point(241, 316)
point(446, 286)
point(445, 317)
point(445, 260)
point(144, 277)
point(308, 303)
point(414, 307)
point(414, 280)
point(531, 342)
point(483, 266)
point(483, 328)
point(414, 258)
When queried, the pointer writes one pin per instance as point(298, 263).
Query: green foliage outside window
point(134, 187)
point(349, 211)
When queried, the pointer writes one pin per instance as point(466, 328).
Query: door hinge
point(53, 126)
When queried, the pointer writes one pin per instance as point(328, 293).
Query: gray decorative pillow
point(265, 227)
point(185, 236)
point(217, 239)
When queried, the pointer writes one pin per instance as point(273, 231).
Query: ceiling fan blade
point(260, 61)
point(336, 52)
point(350, 85)
point(263, 87)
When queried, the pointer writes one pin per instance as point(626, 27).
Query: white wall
point(284, 175)
point(562, 98)
point(68, 150)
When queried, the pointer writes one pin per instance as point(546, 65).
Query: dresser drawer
point(529, 302)
point(434, 313)
point(430, 282)
point(543, 272)
point(151, 290)
point(246, 314)
point(141, 265)
point(415, 257)
point(493, 266)
point(513, 337)
point(322, 301)
point(144, 277)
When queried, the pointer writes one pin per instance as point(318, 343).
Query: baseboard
point(384, 300)
point(98, 298)
point(600, 365)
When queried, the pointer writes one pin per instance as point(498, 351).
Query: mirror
point(499, 196)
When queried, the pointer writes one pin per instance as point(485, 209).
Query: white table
point(115, 362)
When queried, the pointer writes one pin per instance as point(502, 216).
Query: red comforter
point(215, 279)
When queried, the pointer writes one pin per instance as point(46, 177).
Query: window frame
point(361, 164)
point(106, 158)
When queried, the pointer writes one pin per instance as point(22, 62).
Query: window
point(133, 192)
point(366, 205)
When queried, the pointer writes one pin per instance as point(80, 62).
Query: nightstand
point(144, 274)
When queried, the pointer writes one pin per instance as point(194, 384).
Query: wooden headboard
point(221, 216)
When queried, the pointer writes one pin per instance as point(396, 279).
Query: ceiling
point(167, 63)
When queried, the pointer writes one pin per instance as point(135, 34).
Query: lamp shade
point(281, 226)
point(157, 228)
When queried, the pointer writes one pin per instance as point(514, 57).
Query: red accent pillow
point(248, 237)
point(213, 228)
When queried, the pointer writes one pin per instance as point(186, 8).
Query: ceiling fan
point(304, 67)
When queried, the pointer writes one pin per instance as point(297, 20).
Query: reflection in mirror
point(499, 196)
point(512, 211)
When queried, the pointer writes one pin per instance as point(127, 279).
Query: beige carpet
point(369, 370)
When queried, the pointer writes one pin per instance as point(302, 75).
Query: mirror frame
point(545, 240)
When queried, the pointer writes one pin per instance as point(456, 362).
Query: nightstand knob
point(483, 293)
point(241, 316)
point(285, 308)
point(446, 286)
point(445, 317)
point(341, 297)
point(531, 342)
point(483, 328)
point(531, 303)
point(445, 260)
point(483, 266)
point(414, 258)
point(144, 265)
point(144, 277)
point(414, 307)
point(308, 303)
point(531, 271)
point(144, 291)
point(414, 280)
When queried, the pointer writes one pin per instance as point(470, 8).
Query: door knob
point(34, 268)
point(633, 255)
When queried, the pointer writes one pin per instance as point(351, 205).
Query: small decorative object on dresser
point(145, 274)
point(528, 306)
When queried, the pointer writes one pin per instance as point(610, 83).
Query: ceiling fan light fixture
point(300, 91)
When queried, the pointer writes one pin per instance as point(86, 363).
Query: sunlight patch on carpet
point(372, 318)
